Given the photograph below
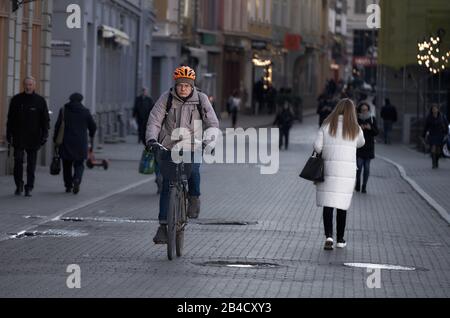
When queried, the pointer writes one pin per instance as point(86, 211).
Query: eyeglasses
point(184, 86)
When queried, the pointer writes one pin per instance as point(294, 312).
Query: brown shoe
point(161, 235)
point(194, 207)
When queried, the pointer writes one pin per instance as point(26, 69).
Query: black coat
point(284, 120)
point(368, 150)
point(389, 113)
point(77, 120)
point(325, 109)
point(143, 105)
point(437, 128)
point(28, 121)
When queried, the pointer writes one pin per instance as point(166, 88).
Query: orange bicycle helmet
point(184, 72)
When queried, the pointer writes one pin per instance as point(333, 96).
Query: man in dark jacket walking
point(389, 116)
point(27, 131)
point(143, 105)
point(284, 121)
point(365, 154)
point(74, 148)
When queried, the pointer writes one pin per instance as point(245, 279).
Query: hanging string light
point(431, 55)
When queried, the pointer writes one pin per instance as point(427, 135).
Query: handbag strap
point(60, 137)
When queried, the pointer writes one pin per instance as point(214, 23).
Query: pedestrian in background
point(27, 130)
point(337, 141)
point(324, 108)
point(366, 154)
point(284, 121)
point(143, 105)
point(389, 116)
point(271, 99)
point(74, 148)
point(234, 105)
point(436, 130)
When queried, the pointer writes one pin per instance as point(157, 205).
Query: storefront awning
point(119, 37)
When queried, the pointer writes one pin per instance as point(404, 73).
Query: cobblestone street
point(108, 229)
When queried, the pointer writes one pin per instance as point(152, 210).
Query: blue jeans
point(387, 131)
point(194, 191)
point(363, 163)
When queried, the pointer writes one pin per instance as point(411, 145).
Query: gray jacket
point(181, 115)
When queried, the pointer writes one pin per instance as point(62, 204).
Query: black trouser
point(142, 129)
point(284, 135)
point(31, 167)
point(436, 151)
point(234, 114)
point(341, 218)
point(72, 177)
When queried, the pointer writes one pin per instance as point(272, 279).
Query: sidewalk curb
point(436, 206)
point(57, 216)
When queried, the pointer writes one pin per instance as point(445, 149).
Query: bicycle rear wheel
point(181, 222)
point(172, 222)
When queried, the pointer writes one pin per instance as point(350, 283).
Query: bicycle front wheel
point(181, 221)
point(172, 222)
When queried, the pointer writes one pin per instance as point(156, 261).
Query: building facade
point(108, 59)
point(362, 48)
point(412, 88)
point(25, 37)
point(309, 65)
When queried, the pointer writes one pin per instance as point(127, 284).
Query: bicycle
point(178, 175)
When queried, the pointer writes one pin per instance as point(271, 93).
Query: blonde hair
point(350, 129)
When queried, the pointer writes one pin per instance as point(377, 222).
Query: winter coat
point(284, 120)
point(77, 120)
point(142, 107)
point(339, 157)
point(28, 121)
point(368, 150)
point(389, 113)
point(182, 114)
point(325, 109)
point(437, 129)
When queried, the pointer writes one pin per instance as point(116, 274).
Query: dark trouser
point(387, 131)
point(284, 136)
point(194, 191)
point(436, 151)
point(234, 114)
point(363, 164)
point(142, 128)
point(18, 167)
point(75, 176)
point(341, 218)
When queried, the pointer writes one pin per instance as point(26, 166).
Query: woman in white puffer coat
point(337, 141)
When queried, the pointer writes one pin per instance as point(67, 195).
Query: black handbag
point(55, 166)
point(314, 169)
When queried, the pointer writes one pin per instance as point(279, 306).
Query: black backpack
point(170, 102)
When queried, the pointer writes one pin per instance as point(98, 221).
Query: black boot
point(28, 192)
point(364, 190)
point(19, 190)
point(358, 187)
point(435, 161)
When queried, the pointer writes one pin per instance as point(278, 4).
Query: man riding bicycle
point(179, 108)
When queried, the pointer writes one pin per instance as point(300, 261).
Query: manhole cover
point(223, 222)
point(48, 233)
point(106, 219)
point(381, 266)
point(241, 264)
